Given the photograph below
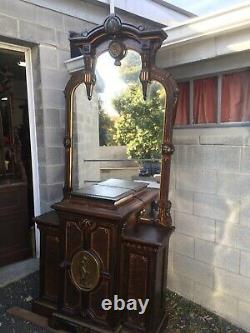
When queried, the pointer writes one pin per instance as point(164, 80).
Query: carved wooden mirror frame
point(116, 38)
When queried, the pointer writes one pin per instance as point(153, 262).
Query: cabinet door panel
point(96, 297)
point(100, 242)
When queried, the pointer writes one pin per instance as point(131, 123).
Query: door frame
point(32, 128)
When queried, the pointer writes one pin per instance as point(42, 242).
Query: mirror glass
point(117, 134)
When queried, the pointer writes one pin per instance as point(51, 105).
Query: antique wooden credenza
point(109, 238)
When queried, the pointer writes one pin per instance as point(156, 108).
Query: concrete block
point(54, 137)
point(181, 285)
point(245, 160)
point(216, 301)
point(217, 255)
point(18, 9)
point(55, 192)
point(40, 137)
point(62, 118)
point(55, 155)
point(209, 157)
point(194, 270)
point(53, 99)
point(233, 284)
point(228, 158)
point(41, 155)
point(42, 174)
point(172, 179)
point(195, 179)
point(36, 33)
point(48, 56)
point(224, 208)
point(233, 235)
point(39, 118)
point(244, 315)
point(195, 226)
point(245, 263)
point(48, 18)
point(243, 238)
point(227, 140)
point(77, 25)
point(245, 212)
point(54, 79)
point(182, 244)
point(185, 139)
point(38, 97)
point(55, 174)
point(62, 57)
point(8, 26)
point(43, 192)
point(62, 40)
point(234, 183)
point(51, 118)
point(228, 183)
point(183, 201)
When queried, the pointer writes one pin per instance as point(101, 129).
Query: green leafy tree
point(131, 66)
point(106, 128)
point(140, 123)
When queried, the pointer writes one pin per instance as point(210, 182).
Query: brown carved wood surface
point(106, 241)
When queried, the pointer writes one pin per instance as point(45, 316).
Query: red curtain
point(205, 100)
point(235, 97)
point(182, 111)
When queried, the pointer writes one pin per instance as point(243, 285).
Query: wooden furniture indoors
point(14, 220)
point(110, 238)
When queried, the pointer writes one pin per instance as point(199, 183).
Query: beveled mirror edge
point(146, 43)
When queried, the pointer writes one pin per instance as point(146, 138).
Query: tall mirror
point(117, 134)
point(120, 125)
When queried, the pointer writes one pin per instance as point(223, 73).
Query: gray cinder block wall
point(209, 261)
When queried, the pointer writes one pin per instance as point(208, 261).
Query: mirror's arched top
point(113, 29)
point(117, 37)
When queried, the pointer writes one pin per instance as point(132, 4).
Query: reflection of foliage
point(131, 66)
point(106, 128)
point(140, 123)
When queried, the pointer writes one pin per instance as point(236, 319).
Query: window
point(214, 100)
point(182, 113)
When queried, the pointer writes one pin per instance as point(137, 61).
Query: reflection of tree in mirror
point(106, 127)
point(131, 67)
point(140, 123)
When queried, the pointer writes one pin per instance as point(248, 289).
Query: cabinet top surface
point(112, 190)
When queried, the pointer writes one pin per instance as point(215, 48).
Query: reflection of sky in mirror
point(113, 84)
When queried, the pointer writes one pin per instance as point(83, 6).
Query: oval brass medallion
point(85, 270)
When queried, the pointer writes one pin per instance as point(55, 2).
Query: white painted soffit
point(234, 18)
point(95, 10)
point(154, 10)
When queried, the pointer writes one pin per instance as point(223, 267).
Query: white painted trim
point(231, 19)
point(32, 126)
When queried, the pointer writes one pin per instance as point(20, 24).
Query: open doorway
point(16, 187)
